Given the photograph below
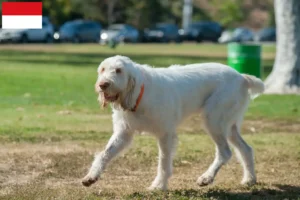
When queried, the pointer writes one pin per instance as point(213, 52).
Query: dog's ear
point(126, 99)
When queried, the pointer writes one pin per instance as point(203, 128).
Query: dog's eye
point(102, 70)
point(118, 70)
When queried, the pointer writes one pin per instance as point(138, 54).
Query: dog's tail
point(255, 85)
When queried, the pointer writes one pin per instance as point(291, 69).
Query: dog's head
point(116, 82)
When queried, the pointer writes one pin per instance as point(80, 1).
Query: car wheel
point(48, 39)
point(96, 40)
point(24, 39)
point(178, 40)
point(199, 39)
point(134, 40)
point(76, 39)
point(165, 40)
point(215, 40)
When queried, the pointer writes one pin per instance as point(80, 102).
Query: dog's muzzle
point(110, 98)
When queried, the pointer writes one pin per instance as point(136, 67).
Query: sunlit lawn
point(51, 125)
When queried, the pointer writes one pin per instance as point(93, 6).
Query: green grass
point(51, 124)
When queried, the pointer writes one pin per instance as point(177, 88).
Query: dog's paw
point(159, 184)
point(88, 181)
point(159, 188)
point(205, 180)
point(248, 181)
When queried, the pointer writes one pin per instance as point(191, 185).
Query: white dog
point(156, 100)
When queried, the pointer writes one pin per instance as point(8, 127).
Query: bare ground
point(54, 169)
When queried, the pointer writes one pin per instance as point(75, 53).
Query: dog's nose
point(104, 85)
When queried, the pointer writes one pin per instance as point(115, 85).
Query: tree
point(90, 9)
point(110, 11)
point(229, 13)
point(140, 13)
point(285, 76)
point(59, 11)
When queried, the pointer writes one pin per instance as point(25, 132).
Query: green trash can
point(245, 58)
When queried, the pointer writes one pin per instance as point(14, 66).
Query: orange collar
point(138, 101)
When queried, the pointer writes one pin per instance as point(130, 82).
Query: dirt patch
point(54, 170)
point(24, 163)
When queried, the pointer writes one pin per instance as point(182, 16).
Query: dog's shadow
point(259, 191)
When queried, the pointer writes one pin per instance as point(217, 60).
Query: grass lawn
point(51, 126)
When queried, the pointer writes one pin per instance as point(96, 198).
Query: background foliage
point(144, 13)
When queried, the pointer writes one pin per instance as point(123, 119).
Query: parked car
point(266, 35)
point(45, 34)
point(202, 31)
point(226, 36)
point(242, 35)
point(162, 32)
point(120, 33)
point(56, 33)
point(77, 31)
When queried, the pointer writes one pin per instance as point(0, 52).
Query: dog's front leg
point(116, 144)
point(166, 145)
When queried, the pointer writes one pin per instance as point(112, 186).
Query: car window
point(267, 31)
point(163, 29)
point(90, 26)
point(80, 27)
point(129, 28)
point(159, 28)
point(70, 26)
point(116, 27)
point(45, 21)
point(166, 28)
point(85, 26)
point(215, 27)
point(238, 31)
point(95, 25)
point(173, 28)
point(197, 26)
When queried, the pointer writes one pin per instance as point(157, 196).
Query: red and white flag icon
point(21, 15)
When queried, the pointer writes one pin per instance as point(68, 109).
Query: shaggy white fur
point(171, 94)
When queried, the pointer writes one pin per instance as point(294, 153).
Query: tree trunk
point(187, 13)
point(110, 11)
point(285, 76)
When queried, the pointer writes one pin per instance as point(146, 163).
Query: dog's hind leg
point(217, 125)
point(243, 151)
point(244, 154)
point(167, 145)
point(223, 154)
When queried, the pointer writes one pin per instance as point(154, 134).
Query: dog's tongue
point(109, 97)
